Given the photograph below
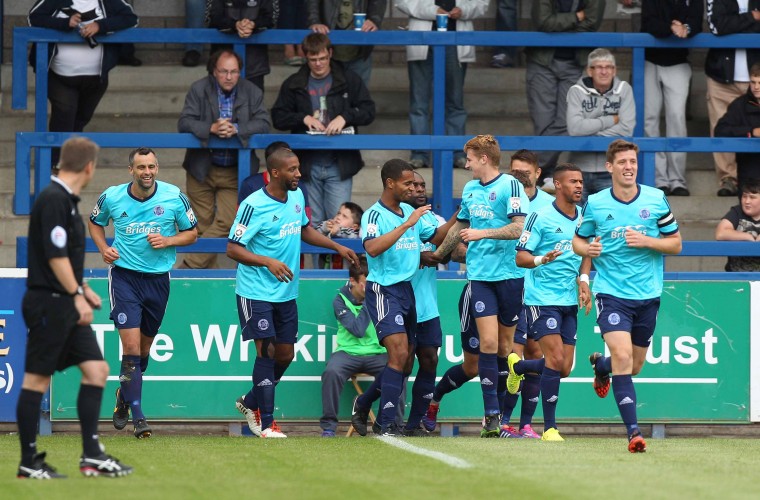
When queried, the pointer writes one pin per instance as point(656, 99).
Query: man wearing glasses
point(229, 107)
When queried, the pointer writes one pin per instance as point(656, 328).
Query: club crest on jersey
point(95, 211)
point(239, 230)
point(263, 324)
point(298, 208)
point(480, 306)
point(613, 318)
point(121, 318)
point(399, 319)
point(644, 213)
point(158, 210)
point(551, 323)
point(474, 342)
point(514, 202)
point(524, 237)
point(371, 229)
point(190, 215)
point(492, 196)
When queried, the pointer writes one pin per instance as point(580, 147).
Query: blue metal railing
point(438, 142)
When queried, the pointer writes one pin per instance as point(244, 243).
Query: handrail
point(692, 248)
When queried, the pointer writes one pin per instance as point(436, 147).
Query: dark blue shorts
point(468, 329)
point(392, 309)
point(553, 320)
point(138, 300)
point(263, 320)
point(498, 298)
point(521, 331)
point(638, 317)
point(429, 333)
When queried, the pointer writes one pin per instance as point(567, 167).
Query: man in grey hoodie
point(600, 104)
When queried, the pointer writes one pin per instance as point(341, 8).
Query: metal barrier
point(441, 145)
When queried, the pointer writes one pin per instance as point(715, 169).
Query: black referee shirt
point(55, 230)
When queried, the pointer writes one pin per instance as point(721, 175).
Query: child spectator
point(742, 223)
point(345, 224)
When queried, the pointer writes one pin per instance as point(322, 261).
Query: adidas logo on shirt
point(486, 381)
point(275, 218)
point(264, 383)
point(123, 214)
point(388, 405)
point(609, 217)
point(625, 401)
point(559, 230)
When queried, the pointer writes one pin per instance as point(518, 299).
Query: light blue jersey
point(164, 212)
point(424, 282)
point(491, 206)
point(552, 284)
point(622, 271)
point(272, 228)
point(401, 260)
point(540, 200)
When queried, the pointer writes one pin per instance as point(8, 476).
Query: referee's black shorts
point(55, 341)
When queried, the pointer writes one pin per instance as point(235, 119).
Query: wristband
point(584, 278)
point(538, 260)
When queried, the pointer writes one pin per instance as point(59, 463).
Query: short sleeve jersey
point(552, 284)
point(270, 227)
point(401, 260)
point(164, 212)
point(491, 206)
point(424, 282)
point(55, 230)
point(623, 271)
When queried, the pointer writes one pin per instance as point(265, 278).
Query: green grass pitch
point(168, 467)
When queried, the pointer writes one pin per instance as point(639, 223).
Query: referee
point(57, 309)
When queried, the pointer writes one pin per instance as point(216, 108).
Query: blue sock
point(531, 388)
point(422, 393)
point(249, 400)
point(508, 404)
point(454, 378)
point(501, 386)
point(549, 396)
point(603, 365)
point(529, 366)
point(372, 393)
point(263, 384)
point(489, 378)
point(144, 363)
point(390, 392)
point(130, 378)
point(625, 397)
point(279, 371)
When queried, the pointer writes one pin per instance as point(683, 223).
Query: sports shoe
point(601, 382)
point(142, 429)
point(418, 432)
point(552, 434)
point(430, 419)
point(38, 470)
point(104, 465)
point(120, 412)
point(359, 418)
point(252, 416)
point(507, 431)
point(327, 433)
point(390, 431)
point(728, 187)
point(376, 429)
point(502, 61)
point(273, 432)
point(528, 432)
point(636, 443)
point(490, 426)
point(513, 379)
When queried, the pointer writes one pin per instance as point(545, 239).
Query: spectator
point(728, 73)
point(195, 17)
point(239, 16)
point(667, 76)
point(742, 223)
point(223, 105)
point(78, 72)
point(346, 103)
point(506, 20)
point(291, 15)
point(742, 119)
point(551, 71)
point(345, 224)
point(326, 15)
point(422, 15)
point(358, 349)
point(600, 104)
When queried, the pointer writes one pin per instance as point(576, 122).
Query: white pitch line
point(436, 455)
